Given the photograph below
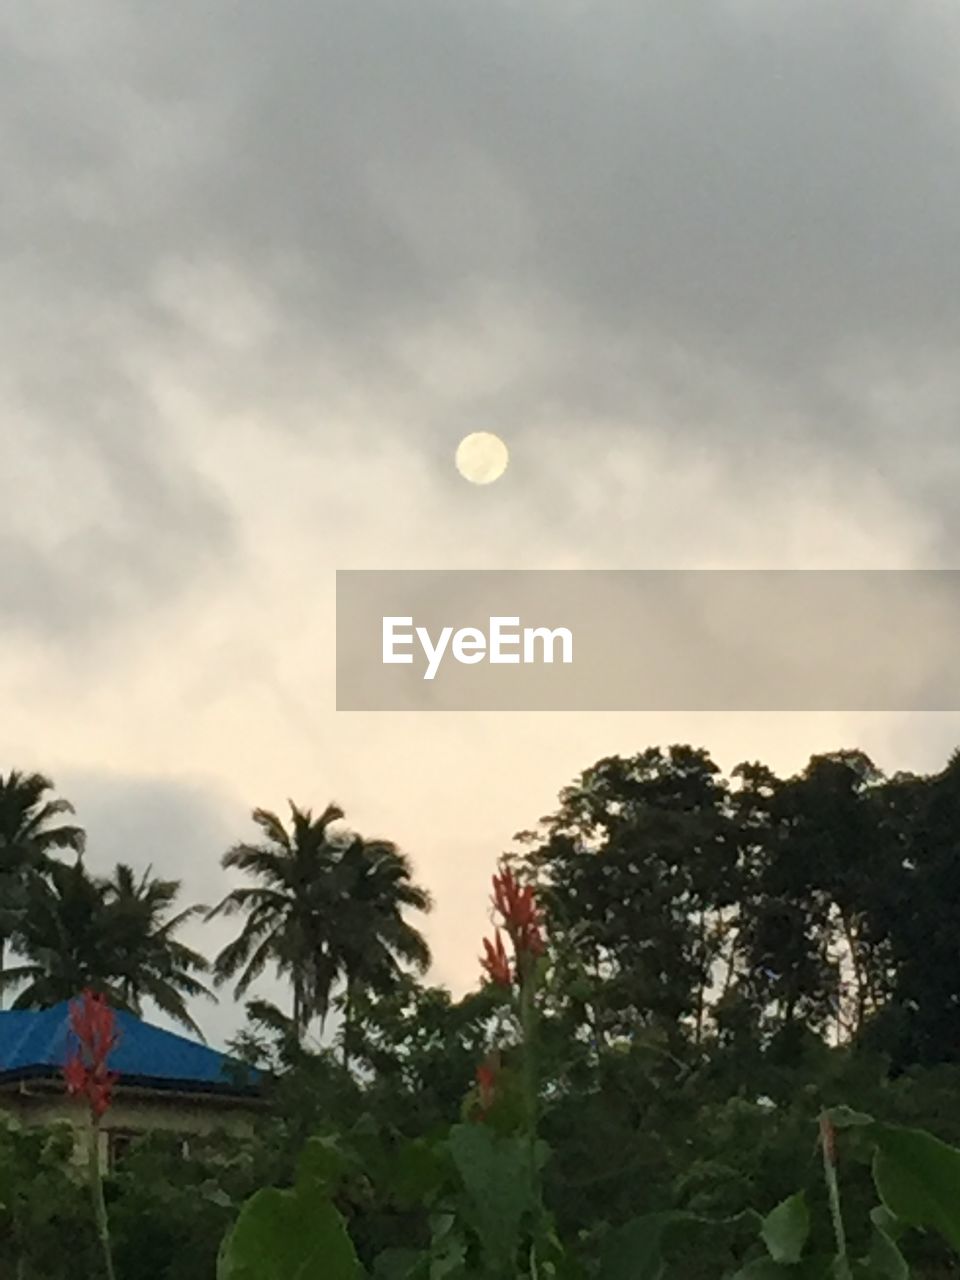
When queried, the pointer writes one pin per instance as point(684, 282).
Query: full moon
point(482, 457)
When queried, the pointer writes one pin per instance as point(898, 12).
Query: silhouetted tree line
point(726, 956)
point(745, 911)
point(757, 908)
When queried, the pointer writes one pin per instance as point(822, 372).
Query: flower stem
point(828, 1146)
point(96, 1195)
point(528, 1024)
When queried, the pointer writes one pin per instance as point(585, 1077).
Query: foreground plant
point(517, 912)
point(917, 1180)
point(476, 1187)
point(90, 1080)
point(475, 1192)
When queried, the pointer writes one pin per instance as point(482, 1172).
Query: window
point(119, 1142)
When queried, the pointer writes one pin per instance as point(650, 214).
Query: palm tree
point(284, 921)
point(61, 940)
point(28, 837)
point(146, 959)
point(114, 936)
point(373, 943)
point(327, 908)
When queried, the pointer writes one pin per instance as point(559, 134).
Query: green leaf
point(885, 1261)
point(818, 1268)
point(417, 1172)
point(785, 1229)
point(400, 1264)
point(764, 1269)
point(283, 1235)
point(918, 1179)
point(635, 1250)
point(497, 1177)
point(581, 988)
point(884, 1221)
point(448, 1260)
point(216, 1195)
point(321, 1166)
point(550, 1260)
point(447, 1248)
point(441, 1225)
point(845, 1118)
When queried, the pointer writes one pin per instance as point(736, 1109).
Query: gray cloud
point(712, 214)
point(647, 242)
point(758, 187)
point(103, 513)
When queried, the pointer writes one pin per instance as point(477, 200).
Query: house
point(165, 1081)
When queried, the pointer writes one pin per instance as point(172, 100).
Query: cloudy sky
point(264, 265)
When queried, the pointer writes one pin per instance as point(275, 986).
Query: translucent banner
point(648, 640)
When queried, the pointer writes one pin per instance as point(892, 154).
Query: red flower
point(487, 1075)
point(495, 961)
point(521, 915)
point(85, 1072)
point(486, 1079)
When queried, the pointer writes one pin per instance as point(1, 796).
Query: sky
point(263, 266)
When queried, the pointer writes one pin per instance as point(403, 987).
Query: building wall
point(132, 1116)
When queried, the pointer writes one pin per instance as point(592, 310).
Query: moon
point(482, 457)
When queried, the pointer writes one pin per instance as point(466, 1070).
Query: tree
point(915, 907)
point(326, 908)
point(782, 969)
point(29, 836)
point(113, 936)
point(371, 943)
point(637, 869)
point(285, 924)
point(420, 1048)
point(145, 958)
point(820, 858)
point(61, 939)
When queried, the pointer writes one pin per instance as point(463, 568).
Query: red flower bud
point(521, 915)
point(486, 1079)
point(487, 1075)
point(495, 961)
point(85, 1071)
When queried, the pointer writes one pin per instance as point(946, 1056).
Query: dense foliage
point(723, 1062)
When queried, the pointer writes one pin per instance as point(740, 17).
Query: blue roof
point(37, 1042)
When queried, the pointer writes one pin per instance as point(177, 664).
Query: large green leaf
point(817, 1268)
point(785, 1229)
point(417, 1172)
point(918, 1178)
point(885, 1261)
point(888, 1223)
point(286, 1235)
point(498, 1180)
point(448, 1257)
point(400, 1264)
point(321, 1166)
point(448, 1249)
point(635, 1250)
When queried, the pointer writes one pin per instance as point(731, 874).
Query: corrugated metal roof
point(37, 1042)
